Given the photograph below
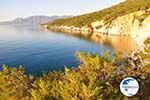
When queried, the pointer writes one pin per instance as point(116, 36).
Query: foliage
point(96, 78)
point(14, 84)
point(108, 14)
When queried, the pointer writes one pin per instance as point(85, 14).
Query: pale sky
point(10, 9)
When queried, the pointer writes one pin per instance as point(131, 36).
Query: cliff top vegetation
point(108, 14)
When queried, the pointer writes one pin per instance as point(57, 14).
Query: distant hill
point(32, 20)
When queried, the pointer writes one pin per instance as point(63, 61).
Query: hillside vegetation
point(108, 14)
point(96, 78)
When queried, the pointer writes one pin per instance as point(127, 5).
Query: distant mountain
point(32, 20)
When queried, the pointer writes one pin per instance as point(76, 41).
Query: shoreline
point(126, 25)
point(123, 43)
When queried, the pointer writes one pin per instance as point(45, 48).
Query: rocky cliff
point(136, 24)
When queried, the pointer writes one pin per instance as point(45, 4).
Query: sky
point(11, 9)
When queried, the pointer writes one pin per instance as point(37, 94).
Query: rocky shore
point(135, 24)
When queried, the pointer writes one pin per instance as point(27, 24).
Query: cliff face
point(136, 24)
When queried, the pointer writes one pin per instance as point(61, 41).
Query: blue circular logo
point(129, 86)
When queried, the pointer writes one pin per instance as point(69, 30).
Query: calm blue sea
point(42, 51)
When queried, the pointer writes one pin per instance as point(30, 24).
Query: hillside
point(108, 14)
point(131, 17)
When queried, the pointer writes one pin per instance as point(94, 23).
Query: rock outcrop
point(136, 25)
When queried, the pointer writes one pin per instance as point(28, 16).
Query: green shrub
point(96, 78)
point(14, 84)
